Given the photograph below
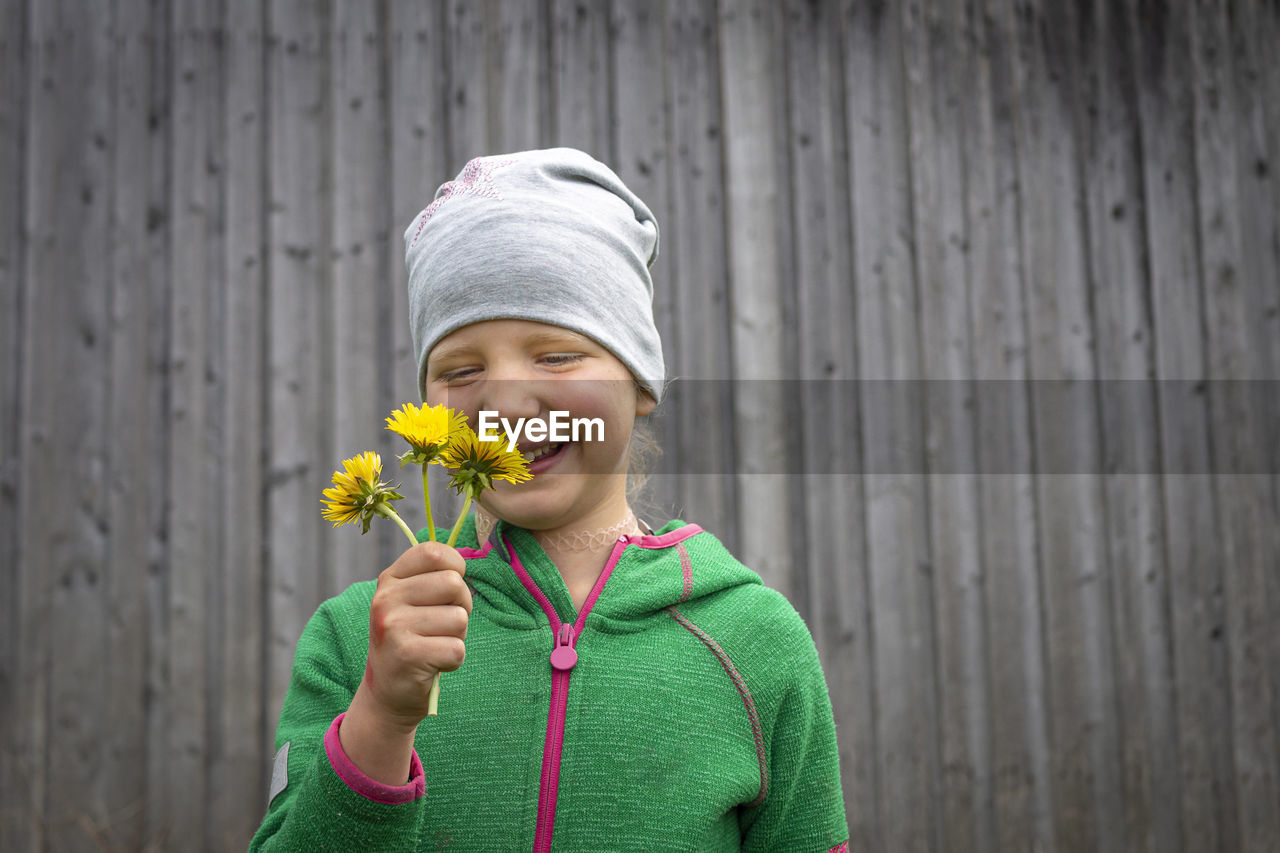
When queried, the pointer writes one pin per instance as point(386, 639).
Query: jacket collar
point(643, 574)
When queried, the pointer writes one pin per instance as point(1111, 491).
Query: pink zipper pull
point(563, 656)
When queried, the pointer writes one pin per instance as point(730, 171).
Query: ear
point(644, 402)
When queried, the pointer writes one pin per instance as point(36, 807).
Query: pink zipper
point(564, 656)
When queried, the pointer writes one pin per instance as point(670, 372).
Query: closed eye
point(452, 376)
point(558, 359)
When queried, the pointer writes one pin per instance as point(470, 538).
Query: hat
point(552, 236)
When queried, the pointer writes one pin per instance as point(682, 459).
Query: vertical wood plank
point(193, 481)
point(579, 75)
point(297, 288)
point(135, 425)
point(1256, 85)
point(637, 107)
point(417, 125)
point(1021, 780)
point(749, 70)
point(518, 115)
point(1160, 39)
point(1087, 804)
point(26, 116)
point(835, 605)
point(470, 61)
point(242, 730)
point(1237, 434)
point(1121, 296)
point(159, 218)
point(935, 92)
point(64, 448)
point(1256, 89)
point(895, 547)
point(15, 69)
point(1260, 24)
point(419, 121)
point(78, 773)
point(697, 417)
point(357, 260)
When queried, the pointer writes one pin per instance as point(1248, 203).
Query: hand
point(417, 627)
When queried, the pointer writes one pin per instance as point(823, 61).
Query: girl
point(624, 688)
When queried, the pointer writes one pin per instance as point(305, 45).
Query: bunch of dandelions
point(428, 430)
point(437, 436)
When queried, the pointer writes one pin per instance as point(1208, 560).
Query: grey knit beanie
point(553, 236)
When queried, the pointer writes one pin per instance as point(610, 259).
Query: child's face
point(524, 369)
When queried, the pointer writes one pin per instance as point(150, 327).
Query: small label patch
point(279, 772)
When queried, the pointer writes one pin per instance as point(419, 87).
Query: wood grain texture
point(830, 585)
point(972, 306)
point(68, 397)
point(135, 423)
point(194, 471)
point(579, 76)
point(241, 730)
point(697, 421)
point(750, 101)
point(417, 124)
point(1191, 544)
point(933, 36)
point(895, 548)
point(1122, 309)
point(1236, 445)
point(358, 266)
point(469, 48)
point(298, 451)
point(1084, 735)
point(15, 65)
point(1021, 780)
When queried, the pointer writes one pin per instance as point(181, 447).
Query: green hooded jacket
point(684, 708)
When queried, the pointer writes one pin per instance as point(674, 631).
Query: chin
point(558, 501)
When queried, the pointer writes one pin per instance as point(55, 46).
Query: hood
point(643, 576)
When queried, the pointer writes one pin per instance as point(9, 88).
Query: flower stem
point(433, 698)
point(462, 516)
point(426, 499)
point(386, 511)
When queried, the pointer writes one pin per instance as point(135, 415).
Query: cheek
point(454, 399)
point(596, 398)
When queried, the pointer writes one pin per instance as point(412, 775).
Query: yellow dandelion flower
point(474, 464)
point(426, 428)
point(358, 494)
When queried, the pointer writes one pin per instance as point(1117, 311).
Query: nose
point(512, 390)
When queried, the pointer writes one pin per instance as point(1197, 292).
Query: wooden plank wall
point(202, 311)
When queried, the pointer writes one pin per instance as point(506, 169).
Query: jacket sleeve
point(316, 809)
point(803, 809)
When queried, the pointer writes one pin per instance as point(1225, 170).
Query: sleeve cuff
point(371, 789)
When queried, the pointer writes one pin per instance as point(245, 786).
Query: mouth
point(542, 455)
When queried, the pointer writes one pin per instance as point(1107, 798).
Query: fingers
point(417, 626)
point(405, 623)
point(443, 654)
point(427, 557)
point(437, 604)
point(422, 590)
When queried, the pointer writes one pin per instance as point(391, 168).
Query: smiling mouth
point(536, 453)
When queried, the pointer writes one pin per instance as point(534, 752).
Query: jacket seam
point(748, 702)
point(686, 571)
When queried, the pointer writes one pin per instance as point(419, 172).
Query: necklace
point(573, 540)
